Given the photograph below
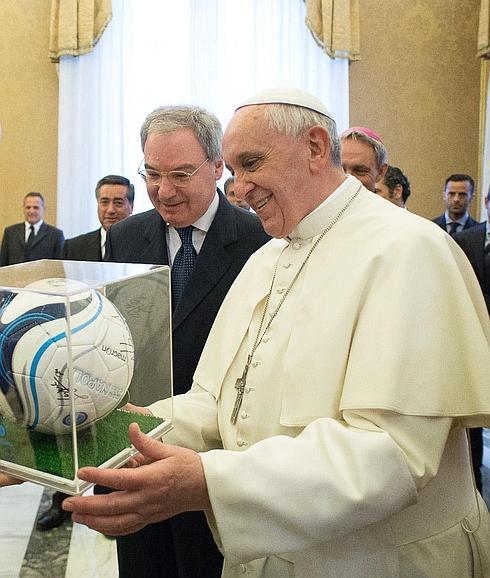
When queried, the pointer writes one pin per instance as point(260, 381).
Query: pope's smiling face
point(271, 170)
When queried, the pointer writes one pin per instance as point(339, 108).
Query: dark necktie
point(183, 263)
point(30, 241)
point(453, 228)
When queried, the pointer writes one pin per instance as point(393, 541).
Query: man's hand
point(8, 480)
point(168, 481)
point(136, 409)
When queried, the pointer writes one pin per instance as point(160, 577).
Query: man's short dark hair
point(116, 180)
point(458, 177)
point(34, 194)
point(228, 183)
point(393, 177)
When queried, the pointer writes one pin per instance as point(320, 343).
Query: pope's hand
point(8, 480)
point(168, 481)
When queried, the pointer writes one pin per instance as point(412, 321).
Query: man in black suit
point(182, 162)
point(115, 198)
point(33, 239)
point(475, 242)
point(458, 192)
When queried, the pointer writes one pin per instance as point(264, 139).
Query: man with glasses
point(115, 199)
point(193, 224)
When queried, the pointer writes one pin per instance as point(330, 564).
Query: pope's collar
point(316, 221)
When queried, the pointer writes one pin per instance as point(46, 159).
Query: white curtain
point(214, 53)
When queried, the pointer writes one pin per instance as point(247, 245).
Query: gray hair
point(294, 120)
point(380, 152)
point(204, 125)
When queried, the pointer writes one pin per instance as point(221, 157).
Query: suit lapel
point(212, 263)
point(154, 244)
point(94, 246)
point(20, 234)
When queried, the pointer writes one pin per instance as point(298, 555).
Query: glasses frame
point(179, 183)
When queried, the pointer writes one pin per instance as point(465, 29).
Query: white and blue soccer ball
point(34, 369)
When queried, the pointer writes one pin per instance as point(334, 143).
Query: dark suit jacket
point(441, 221)
point(182, 547)
point(233, 236)
point(83, 248)
point(472, 242)
point(48, 244)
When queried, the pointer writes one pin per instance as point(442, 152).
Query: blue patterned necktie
point(183, 263)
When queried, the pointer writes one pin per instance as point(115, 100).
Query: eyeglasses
point(176, 178)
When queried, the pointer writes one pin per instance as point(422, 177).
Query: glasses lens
point(151, 177)
point(178, 177)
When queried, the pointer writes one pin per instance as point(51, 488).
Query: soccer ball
point(35, 385)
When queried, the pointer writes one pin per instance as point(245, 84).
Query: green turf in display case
point(77, 340)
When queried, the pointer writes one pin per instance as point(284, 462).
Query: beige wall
point(28, 108)
point(418, 85)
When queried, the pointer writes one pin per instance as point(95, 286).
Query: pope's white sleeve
point(194, 419)
point(285, 494)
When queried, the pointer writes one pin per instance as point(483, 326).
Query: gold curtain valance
point(76, 26)
point(335, 26)
point(484, 30)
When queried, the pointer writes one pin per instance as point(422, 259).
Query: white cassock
point(349, 456)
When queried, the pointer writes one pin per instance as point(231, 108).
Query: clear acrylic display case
point(78, 340)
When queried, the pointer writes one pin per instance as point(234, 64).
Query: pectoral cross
point(240, 387)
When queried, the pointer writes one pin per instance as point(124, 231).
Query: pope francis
point(325, 431)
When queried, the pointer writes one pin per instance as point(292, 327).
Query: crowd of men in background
point(363, 155)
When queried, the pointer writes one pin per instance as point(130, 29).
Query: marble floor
point(72, 550)
point(69, 551)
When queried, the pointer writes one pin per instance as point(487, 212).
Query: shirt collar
point(461, 221)
point(204, 221)
point(37, 226)
point(103, 236)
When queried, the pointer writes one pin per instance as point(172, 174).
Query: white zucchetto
point(288, 95)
